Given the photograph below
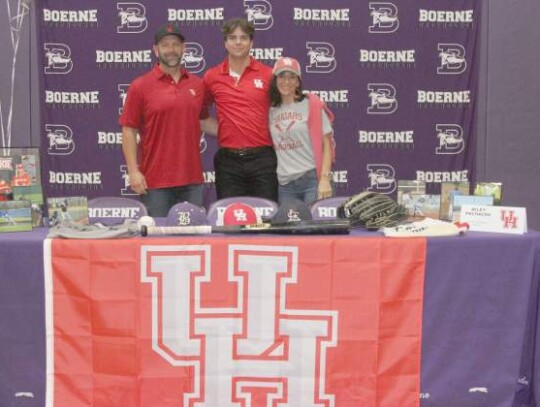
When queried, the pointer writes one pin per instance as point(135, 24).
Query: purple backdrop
point(401, 78)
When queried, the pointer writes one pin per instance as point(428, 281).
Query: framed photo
point(33, 194)
point(493, 189)
point(409, 187)
point(73, 209)
point(15, 216)
point(18, 167)
point(422, 205)
point(448, 191)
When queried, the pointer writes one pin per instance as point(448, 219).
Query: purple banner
point(22, 319)
point(401, 78)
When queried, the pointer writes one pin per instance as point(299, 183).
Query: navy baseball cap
point(168, 29)
point(186, 214)
point(292, 211)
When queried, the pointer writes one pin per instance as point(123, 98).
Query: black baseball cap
point(292, 210)
point(168, 29)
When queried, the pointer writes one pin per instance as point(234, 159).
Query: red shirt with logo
point(167, 116)
point(242, 106)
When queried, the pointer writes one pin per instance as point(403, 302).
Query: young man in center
point(246, 162)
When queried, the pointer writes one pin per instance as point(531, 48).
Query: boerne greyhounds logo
point(122, 94)
point(321, 57)
point(193, 58)
point(450, 139)
point(60, 139)
point(451, 59)
point(382, 98)
point(132, 18)
point(382, 178)
point(384, 18)
point(58, 58)
point(256, 347)
point(259, 13)
point(126, 190)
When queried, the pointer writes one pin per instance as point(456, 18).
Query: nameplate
point(500, 219)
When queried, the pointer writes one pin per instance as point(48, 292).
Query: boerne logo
point(70, 18)
point(59, 139)
point(109, 140)
point(382, 97)
point(382, 178)
point(450, 138)
point(267, 55)
point(451, 59)
point(196, 17)
point(384, 18)
point(443, 99)
point(209, 177)
point(75, 180)
point(259, 13)
point(403, 139)
point(442, 176)
point(76, 100)
point(123, 59)
point(428, 18)
point(321, 17)
point(332, 97)
point(58, 58)
point(132, 18)
point(193, 58)
point(203, 144)
point(384, 59)
point(126, 189)
point(122, 94)
point(321, 57)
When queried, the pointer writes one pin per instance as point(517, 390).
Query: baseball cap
point(292, 211)
point(287, 64)
point(168, 29)
point(238, 214)
point(186, 214)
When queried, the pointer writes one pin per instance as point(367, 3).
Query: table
point(479, 344)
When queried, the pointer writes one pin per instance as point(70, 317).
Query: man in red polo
point(246, 162)
point(164, 106)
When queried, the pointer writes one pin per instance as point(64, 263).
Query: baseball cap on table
point(238, 214)
point(287, 64)
point(186, 214)
point(167, 29)
point(292, 211)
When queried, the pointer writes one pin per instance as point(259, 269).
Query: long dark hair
point(275, 96)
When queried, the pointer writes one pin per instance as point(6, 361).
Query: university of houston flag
point(223, 322)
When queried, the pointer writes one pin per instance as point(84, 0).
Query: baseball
point(146, 221)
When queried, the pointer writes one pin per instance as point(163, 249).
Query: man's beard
point(170, 63)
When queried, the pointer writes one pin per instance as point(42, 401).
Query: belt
point(244, 150)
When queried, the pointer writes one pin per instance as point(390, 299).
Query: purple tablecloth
point(480, 322)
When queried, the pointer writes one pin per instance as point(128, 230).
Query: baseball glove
point(372, 210)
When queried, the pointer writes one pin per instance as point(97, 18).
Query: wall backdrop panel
point(401, 78)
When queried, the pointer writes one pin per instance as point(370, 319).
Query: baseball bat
point(319, 227)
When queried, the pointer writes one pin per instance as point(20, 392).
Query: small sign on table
point(500, 219)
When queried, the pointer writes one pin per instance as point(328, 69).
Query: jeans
point(252, 174)
point(159, 201)
point(302, 189)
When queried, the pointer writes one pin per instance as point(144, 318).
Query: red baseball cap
point(239, 214)
point(287, 64)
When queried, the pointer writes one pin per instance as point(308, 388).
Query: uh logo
point(257, 345)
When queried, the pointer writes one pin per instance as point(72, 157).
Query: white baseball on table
point(146, 221)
